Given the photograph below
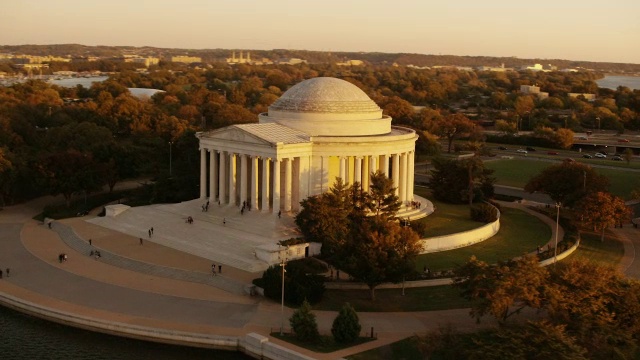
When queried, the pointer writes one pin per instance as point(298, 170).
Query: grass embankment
point(517, 173)
point(520, 233)
point(323, 344)
point(608, 252)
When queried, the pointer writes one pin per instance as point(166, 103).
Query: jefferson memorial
point(318, 130)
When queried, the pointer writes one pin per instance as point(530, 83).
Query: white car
point(600, 155)
point(523, 151)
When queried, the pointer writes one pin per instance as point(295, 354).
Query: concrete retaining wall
point(252, 344)
point(461, 239)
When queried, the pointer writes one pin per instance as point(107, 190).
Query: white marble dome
point(325, 95)
point(327, 106)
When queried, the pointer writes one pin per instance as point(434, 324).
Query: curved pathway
point(120, 289)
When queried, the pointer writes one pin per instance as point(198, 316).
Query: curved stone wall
point(461, 239)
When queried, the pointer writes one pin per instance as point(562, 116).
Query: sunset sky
point(560, 29)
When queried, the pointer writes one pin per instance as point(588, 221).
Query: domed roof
point(325, 95)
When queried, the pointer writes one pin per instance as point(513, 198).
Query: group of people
point(205, 207)
point(96, 254)
point(62, 257)
point(150, 231)
point(189, 220)
point(414, 204)
point(213, 269)
point(245, 205)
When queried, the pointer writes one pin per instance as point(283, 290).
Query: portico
point(320, 129)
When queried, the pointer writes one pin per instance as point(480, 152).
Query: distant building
point(588, 97)
point(350, 63)
point(500, 68)
point(533, 90)
point(148, 61)
point(291, 61)
point(186, 59)
point(535, 67)
point(241, 60)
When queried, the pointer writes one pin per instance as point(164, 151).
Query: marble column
point(254, 183)
point(357, 176)
point(222, 188)
point(403, 177)
point(213, 175)
point(203, 173)
point(372, 165)
point(287, 183)
point(411, 179)
point(395, 169)
point(276, 185)
point(265, 184)
point(243, 178)
point(343, 175)
point(385, 165)
point(232, 179)
point(365, 173)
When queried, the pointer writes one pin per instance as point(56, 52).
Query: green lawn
point(517, 173)
point(447, 219)
point(391, 300)
point(609, 252)
point(519, 233)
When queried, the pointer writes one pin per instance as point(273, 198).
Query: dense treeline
point(123, 136)
point(376, 58)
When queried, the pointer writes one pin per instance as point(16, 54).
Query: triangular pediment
point(236, 135)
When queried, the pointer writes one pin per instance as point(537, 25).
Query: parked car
point(617, 158)
point(623, 140)
point(502, 148)
point(522, 151)
point(600, 156)
point(553, 153)
point(587, 156)
point(529, 148)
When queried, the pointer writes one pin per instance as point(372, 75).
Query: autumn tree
point(602, 210)
point(70, 171)
point(567, 182)
point(504, 289)
point(452, 127)
point(458, 181)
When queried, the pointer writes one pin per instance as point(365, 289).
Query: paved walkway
point(155, 286)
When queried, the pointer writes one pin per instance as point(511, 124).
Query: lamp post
point(555, 250)
point(170, 158)
point(283, 264)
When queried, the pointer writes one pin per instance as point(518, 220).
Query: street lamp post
point(170, 158)
point(283, 264)
point(555, 250)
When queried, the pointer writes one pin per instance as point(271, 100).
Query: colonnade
point(266, 183)
point(399, 167)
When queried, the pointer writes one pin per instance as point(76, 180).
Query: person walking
point(279, 213)
point(140, 241)
point(89, 242)
point(213, 269)
point(219, 269)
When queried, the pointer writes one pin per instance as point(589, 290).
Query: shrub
point(303, 323)
point(299, 285)
point(346, 326)
point(484, 213)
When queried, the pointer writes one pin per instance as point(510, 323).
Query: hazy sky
point(594, 30)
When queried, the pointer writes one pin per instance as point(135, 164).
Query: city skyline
point(592, 31)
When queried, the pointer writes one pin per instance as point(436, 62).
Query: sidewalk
point(154, 286)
